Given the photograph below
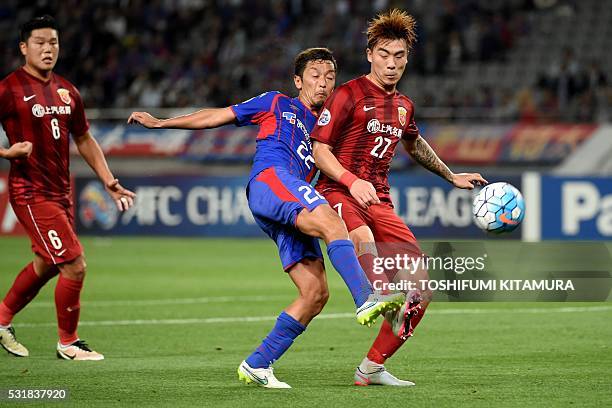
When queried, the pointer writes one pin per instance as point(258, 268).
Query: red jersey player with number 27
point(354, 141)
point(39, 110)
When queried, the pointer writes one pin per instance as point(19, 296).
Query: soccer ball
point(499, 207)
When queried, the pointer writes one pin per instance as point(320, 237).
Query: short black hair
point(45, 21)
point(312, 54)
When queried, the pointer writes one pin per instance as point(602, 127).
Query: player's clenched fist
point(364, 192)
point(145, 119)
point(18, 150)
point(123, 197)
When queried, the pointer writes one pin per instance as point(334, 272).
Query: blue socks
point(278, 341)
point(342, 255)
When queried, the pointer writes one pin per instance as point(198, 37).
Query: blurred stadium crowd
point(502, 60)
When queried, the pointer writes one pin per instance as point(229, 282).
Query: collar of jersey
point(296, 100)
point(378, 89)
point(36, 78)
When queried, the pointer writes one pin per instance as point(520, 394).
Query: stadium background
point(518, 90)
point(503, 87)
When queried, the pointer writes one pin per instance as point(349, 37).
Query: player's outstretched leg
point(323, 222)
point(309, 277)
point(25, 287)
point(67, 304)
point(370, 305)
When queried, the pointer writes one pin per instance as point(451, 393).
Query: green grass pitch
point(167, 315)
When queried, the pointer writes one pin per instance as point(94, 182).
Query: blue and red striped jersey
point(284, 133)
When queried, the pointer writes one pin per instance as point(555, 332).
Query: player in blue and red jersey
point(354, 142)
point(288, 208)
point(39, 110)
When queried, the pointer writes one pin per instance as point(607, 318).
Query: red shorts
point(392, 237)
point(50, 226)
point(382, 220)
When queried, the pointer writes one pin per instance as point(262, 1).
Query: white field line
point(248, 319)
point(162, 302)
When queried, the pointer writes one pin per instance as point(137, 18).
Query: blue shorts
point(276, 197)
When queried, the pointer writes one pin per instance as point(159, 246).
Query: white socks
point(368, 366)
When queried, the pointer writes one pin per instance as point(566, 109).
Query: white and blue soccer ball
point(499, 207)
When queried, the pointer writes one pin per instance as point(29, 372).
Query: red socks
point(67, 295)
point(24, 289)
point(387, 343)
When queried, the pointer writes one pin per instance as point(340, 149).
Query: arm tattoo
point(423, 154)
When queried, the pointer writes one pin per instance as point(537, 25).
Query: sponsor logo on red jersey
point(374, 126)
point(39, 111)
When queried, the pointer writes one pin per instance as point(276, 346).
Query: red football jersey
point(363, 124)
point(43, 113)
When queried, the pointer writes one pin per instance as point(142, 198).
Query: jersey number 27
point(379, 143)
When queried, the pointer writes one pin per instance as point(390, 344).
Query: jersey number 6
point(55, 129)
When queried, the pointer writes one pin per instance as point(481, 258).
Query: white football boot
point(264, 377)
point(78, 351)
point(381, 377)
point(370, 373)
point(9, 342)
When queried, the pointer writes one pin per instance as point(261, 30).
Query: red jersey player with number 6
point(354, 141)
point(39, 110)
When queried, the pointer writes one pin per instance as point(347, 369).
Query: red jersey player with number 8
point(354, 141)
point(39, 110)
